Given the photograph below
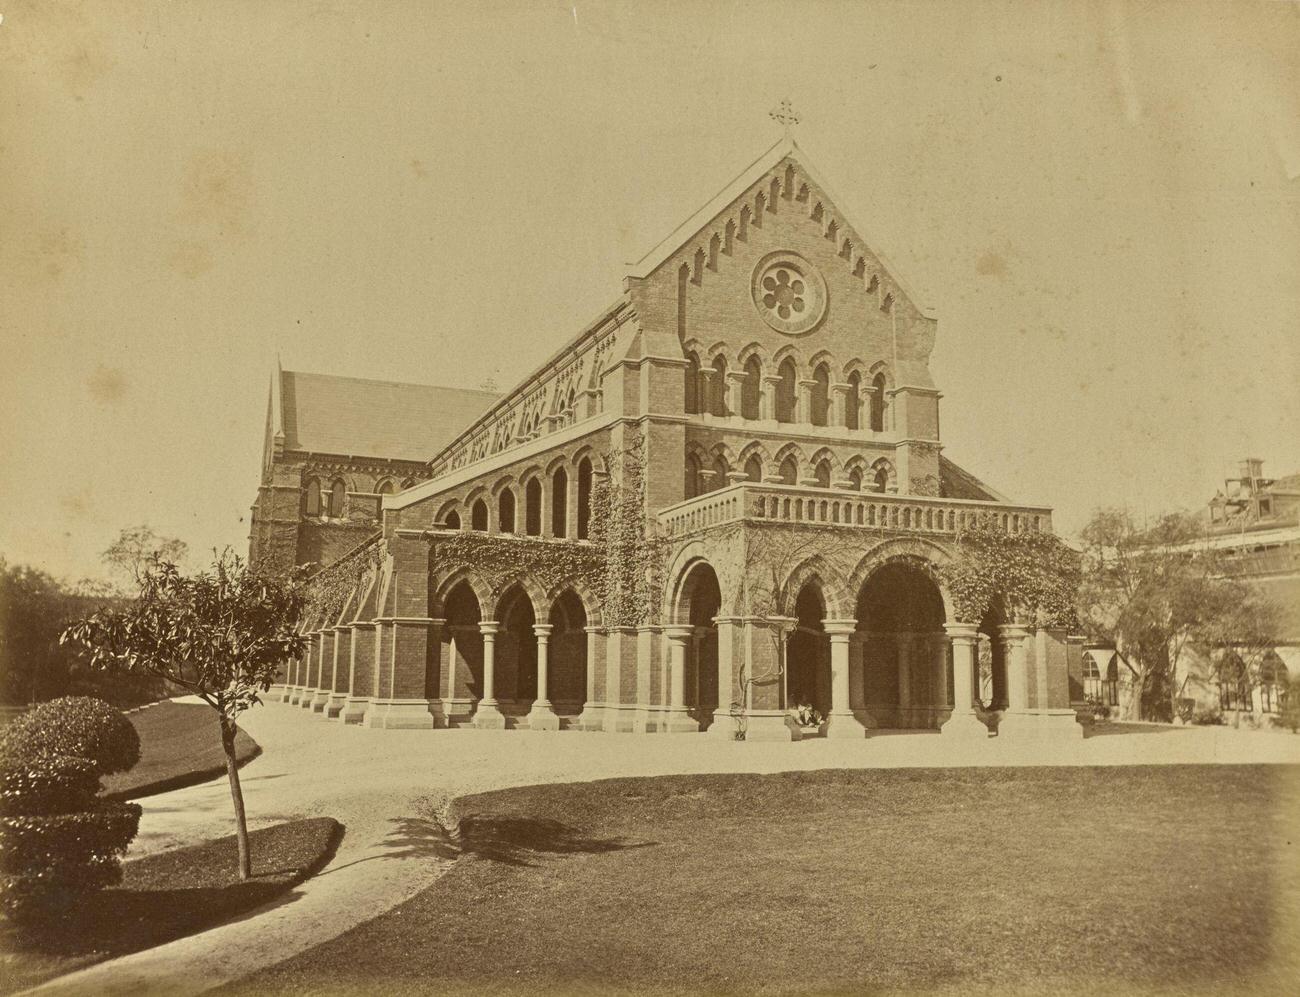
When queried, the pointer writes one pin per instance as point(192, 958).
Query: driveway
point(375, 781)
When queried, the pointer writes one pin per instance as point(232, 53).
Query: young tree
point(222, 635)
point(137, 548)
point(1158, 592)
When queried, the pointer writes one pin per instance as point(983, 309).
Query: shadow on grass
point(511, 840)
point(169, 895)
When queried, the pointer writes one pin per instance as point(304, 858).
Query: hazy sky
point(1101, 202)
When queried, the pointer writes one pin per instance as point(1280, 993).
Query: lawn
point(169, 895)
point(180, 745)
point(953, 880)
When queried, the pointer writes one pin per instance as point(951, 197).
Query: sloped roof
point(325, 413)
point(956, 482)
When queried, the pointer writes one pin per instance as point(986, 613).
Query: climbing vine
point(632, 549)
point(329, 588)
point(503, 557)
point(1035, 573)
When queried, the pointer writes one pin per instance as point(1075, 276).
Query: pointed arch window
point(785, 391)
point(584, 498)
point(790, 471)
point(478, 516)
point(855, 479)
point(823, 474)
point(692, 476)
point(692, 384)
point(751, 391)
point(311, 499)
point(821, 395)
point(720, 471)
point(533, 508)
point(385, 487)
point(882, 479)
point(754, 468)
point(853, 402)
point(878, 403)
point(451, 521)
point(338, 498)
point(560, 503)
point(718, 386)
point(506, 511)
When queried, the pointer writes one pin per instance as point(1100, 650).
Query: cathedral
point(720, 508)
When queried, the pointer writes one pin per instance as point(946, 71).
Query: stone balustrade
point(753, 502)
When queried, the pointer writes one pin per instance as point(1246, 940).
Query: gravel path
point(384, 786)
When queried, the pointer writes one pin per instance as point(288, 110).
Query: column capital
point(839, 628)
point(594, 629)
point(967, 633)
point(772, 378)
point(1013, 631)
point(489, 628)
point(543, 629)
point(840, 387)
point(678, 631)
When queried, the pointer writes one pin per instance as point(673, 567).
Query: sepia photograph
point(671, 497)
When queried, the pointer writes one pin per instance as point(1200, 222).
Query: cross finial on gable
point(785, 114)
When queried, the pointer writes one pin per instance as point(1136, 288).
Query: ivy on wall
point(329, 588)
point(633, 551)
point(1036, 574)
point(502, 557)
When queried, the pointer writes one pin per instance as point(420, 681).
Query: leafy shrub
point(1186, 709)
point(807, 715)
point(77, 726)
point(58, 843)
point(1208, 718)
point(1097, 706)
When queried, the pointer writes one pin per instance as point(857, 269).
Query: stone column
point(938, 647)
point(324, 674)
point(675, 719)
point(362, 652)
point(341, 670)
point(724, 723)
point(964, 722)
point(542, 715)
point(764, 657)
point(839, 414)
point(841, 723)
point(1013, 643)
point(1021, 721)
point(735, 391)
point(767, 400)
point(593, 710)
point(489, 713)
point(903, 643)
point(803, 404)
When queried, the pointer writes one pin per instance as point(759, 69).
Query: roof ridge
point(399, 384)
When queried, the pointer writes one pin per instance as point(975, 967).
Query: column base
point(275, 694)
point(334, 705)
point(294, 695)
point(488, 716)
point(399, 714)
point(318, 701)
point(354, 710)
point(592, 717)
point(304, 700)
point(770, 725)
point(674, 721)
point(542, 717)
point(845, 727)
point(620, 719)
point(1040, 725)
point(726, 726)
point(458, 712)
point(965, 725)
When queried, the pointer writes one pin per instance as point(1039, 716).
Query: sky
point(1100, 201)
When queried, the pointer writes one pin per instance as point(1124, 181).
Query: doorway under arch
point(700, 600)
point(808, 653)
point(464, 682)
point(905, 650)
point(567, 658)
point(516, 652)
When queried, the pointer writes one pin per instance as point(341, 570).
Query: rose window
point(784, 293)
point(789, 293)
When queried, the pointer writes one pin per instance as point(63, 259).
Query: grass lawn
point(951, 880)
point(180, 745)
point(169, 895)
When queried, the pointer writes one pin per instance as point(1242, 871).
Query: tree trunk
point(237, 795)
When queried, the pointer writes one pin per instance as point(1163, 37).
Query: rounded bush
point(79, 726)
point(46, 784)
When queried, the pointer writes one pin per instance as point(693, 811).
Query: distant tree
point(138, 547)
point(34, 608)
point(221, 634)
point(1157, 593)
